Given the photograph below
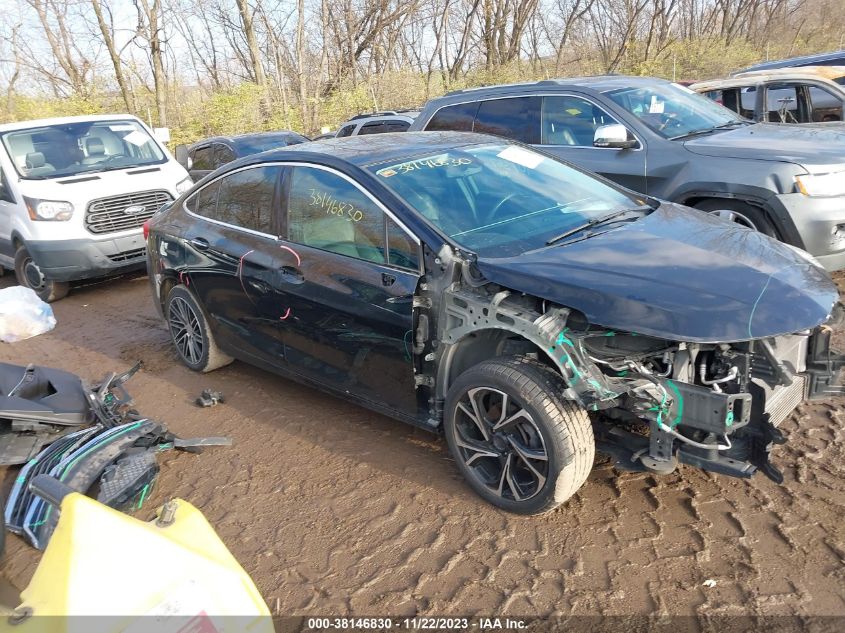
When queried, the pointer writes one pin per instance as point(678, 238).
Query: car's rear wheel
point(518, 442)
point(29, 275)
point(190, 333)
point(741, 213)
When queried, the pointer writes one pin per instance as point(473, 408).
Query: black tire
point(543, 450)
point(740, 212)
point(30, 276)
point(190, 334)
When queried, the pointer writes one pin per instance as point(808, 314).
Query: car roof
point(22, 125)
point(374, 148)
point(806, 60)
point(599, 83)
point(825, 74)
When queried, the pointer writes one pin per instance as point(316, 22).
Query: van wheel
point(29, 275)
point(191, 334)
point(741, 213)
point(517, 441)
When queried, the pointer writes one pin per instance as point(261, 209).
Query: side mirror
point(182, 156)
point(614, 136)
point(162, 134)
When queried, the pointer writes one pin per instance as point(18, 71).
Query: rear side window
point(346, 130)
point(396, 126)
point(517, 118)
point(246, 198)
point(204, 201)
point(203, 158)
point(458, 117)
point(372, 128)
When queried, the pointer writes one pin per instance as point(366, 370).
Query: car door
point(201, 161)
point(232, 259)
point(567, 127)
point(7, 209)
point(348, 281)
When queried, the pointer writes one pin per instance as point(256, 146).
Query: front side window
point(673, 111)
point(517, 118)
point(202, 158)
point(5, 191)
point(785, 104)
point(222, 155)
point(346, 130)
point(328, 212)
point(458, 117)
point(570, 120)
point(54, 151)
point(246, 198)
point(826, 106)
point(499, 199)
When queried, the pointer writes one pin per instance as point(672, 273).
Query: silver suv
point(378, 123)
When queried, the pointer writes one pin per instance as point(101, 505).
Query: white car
point(74, 195)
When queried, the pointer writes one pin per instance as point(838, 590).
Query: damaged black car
point(532, 312)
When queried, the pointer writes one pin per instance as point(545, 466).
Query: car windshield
point(500, 200)
point(53, 151)
point(673, 111)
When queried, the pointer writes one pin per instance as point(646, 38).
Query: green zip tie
point(143, 496)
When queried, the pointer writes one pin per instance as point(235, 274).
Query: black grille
point(127, 255)
point(109, 215)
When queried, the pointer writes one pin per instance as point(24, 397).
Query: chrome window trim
point(542, 95)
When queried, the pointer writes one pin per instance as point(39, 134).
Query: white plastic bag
point(23, 314)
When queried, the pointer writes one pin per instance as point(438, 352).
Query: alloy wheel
point(736, 216)
point(501, 444)
point(186, 330)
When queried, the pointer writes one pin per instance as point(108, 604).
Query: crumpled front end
point(713, 406)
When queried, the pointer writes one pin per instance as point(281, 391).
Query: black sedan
point(532, 311)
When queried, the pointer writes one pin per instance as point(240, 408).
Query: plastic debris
point(709, 583)
point(23, 315)
point(209, 398)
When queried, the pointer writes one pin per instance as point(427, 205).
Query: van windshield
point(68, 149)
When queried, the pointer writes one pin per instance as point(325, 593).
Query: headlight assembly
point(821, 185)
point(49, 210)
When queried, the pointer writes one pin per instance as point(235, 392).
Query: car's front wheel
point(518, 442)
point(29, 275)
point(741, 213)
point(190, 333)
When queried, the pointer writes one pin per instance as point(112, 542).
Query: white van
point(74, 195)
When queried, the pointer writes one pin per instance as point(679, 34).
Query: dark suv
point(666, 141)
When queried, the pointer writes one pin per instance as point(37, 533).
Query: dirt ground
point(336, 510)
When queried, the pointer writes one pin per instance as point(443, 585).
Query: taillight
point(146, 230)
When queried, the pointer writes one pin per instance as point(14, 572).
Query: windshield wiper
point(730, 124)
point(602, 219)
point(707, 130)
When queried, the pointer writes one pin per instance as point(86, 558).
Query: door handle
point(387, 279)
point(199, 243)
point(291, 275)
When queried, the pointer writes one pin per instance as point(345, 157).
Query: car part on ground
point(209, 398)
point(122, 459)
point(172, 573)
point(668, 142)
point(39, 405)
point(420, 275)
point(23, 314)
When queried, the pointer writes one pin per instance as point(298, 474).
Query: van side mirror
point(162, 134)
point(182, 156)
point(613, 136)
